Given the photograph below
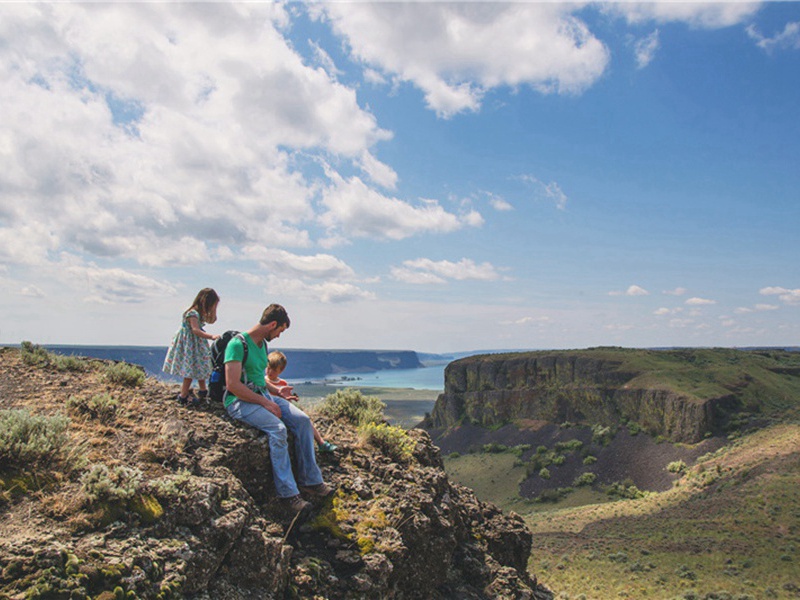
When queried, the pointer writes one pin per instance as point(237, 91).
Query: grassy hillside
point(728, 528)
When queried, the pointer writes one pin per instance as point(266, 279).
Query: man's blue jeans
point(299, 424)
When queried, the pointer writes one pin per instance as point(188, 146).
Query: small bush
point(520, 449)
point(570, 446)
point(101, 484)
point(102, 407)
point(68, 363)
point(392, 441)
point(677, 466)
point(493, 448)
point(601, 435)
point(124, 374)
point(544, 473)
point(585, 479)
point(454, 455)
point(28, 440)
point(33, 354)
point(351, 405)
point(589, 460)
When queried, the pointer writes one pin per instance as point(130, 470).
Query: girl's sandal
point(328, 448)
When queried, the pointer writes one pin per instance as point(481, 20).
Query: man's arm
point(233, 382)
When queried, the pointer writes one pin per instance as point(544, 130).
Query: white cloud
point(166, 134)
point(547, 191)
point(380, 173)
point(667, 311)
point(499, 204)
point(430, 271)
point(633, 290)
point(114, 285)
point(789, 38)
point(283, 263)
point(678, 291)
point(708, 15)
point(455, 52)
point(526, 321)
point(645, 49)
point(360, 211)
point(788, 296)
point(329, 292)
point(700, 301)
point(416, 277)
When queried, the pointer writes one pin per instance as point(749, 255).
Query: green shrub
point(124, 374)
point(68, 363)
point(677, 466)
point(102, 407)
point(493, 448)
point(101, 484)
point(544, 473)
point(601, 435)
point(585, 479)
point(33, 354)
point(351, 405)
point(570, 446)
point(625, 490)
point(589, 460)
point(392, 441)
point(27, 440)
point(453, 455)
point(520, 449)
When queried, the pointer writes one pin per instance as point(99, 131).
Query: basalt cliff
point(679, 395)
point(112, 490)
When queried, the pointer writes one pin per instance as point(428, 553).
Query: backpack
point(217, 387)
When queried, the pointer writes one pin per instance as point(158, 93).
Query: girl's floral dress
point(189, 355)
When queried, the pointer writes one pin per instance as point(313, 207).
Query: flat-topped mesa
point(681, 395)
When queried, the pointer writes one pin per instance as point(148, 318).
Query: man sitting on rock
point(260, 403)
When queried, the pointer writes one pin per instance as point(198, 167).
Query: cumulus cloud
point(113, 285)
point(789, 296)
point(499, 204)
point(455, 52)
point(633, 290)
point(360, 211)
point(425, 270)
point(159, 133)
point(282, 262)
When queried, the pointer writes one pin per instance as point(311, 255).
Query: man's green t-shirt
point(255, 365)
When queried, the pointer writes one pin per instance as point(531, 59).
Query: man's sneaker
point(328, 448)
point(321, 490)
point(296, 504)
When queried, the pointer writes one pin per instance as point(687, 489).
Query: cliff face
point(562, 387)
point(183, 505)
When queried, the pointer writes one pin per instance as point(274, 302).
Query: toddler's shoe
point(328, 448)
point(182, 400)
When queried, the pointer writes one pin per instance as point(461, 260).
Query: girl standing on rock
point(189, 355)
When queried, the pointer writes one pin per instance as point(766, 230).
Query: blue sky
point(429, 176)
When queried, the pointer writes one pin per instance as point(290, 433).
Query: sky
point(439, 177)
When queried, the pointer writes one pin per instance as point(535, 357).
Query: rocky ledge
point(148, 499)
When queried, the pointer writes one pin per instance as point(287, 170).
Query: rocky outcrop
point(199, 518)
point(580, 387)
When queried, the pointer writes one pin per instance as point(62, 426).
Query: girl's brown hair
point(204, 303)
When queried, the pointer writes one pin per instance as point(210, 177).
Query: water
point(151, 358)
point(425, 378)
